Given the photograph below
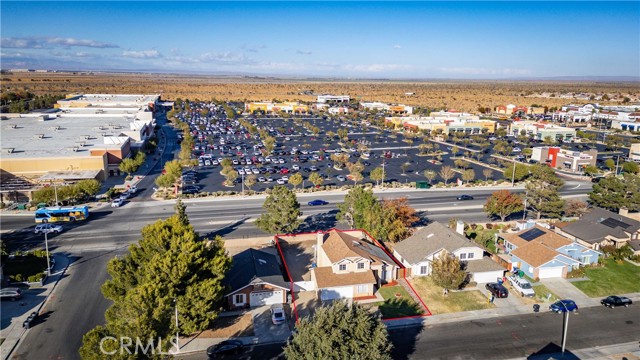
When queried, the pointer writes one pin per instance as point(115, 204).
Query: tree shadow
point(404, 341)
point(398, 307)
point(226, 229)
point(318, 222)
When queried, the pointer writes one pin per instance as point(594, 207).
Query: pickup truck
point(521, 286)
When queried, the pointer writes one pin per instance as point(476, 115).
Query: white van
point(521, 286)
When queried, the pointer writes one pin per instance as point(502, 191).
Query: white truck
point(521, 286)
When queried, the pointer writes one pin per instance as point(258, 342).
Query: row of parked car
point(124, 196)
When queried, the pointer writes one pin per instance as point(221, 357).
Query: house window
point(586, 259)
point(423, 270)
point(470, 256)
point(360, 265)
point(238, 299)
point(342, 267)
point(463, 256)
point(362, 288)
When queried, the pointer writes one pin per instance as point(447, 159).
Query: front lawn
point(456, 301)
point(397, 306)
point(613, 278)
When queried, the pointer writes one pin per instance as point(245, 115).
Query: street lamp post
point(524, 210)
point(46, 246)
point(383, 165)
point(513, 176)
point(177, 326)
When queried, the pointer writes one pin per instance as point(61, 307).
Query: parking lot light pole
point(243, 184)
point(177, 328)
point(513, 176)
point(383, 165)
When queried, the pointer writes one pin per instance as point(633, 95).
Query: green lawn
point(614, 278)
point(396, 306)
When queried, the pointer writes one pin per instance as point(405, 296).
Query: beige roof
point(535, 254)
point(340, 245)
point(326, 278)
point(482, 265)
point(550, 238)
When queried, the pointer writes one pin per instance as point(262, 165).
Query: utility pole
point(243, 183)
point(617, 161)
point(55, 190)
point(513, 176)
point(46, 246)
point(524, 210)
point(383, 165)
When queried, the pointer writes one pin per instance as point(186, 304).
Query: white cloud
point(253, 48)
point(302, 52)
point(142, 54)
point(46, 42)
point(76, 54)
point(396, 46)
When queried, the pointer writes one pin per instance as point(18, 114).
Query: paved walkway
point(33, 300)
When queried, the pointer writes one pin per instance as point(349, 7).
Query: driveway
point(264, 329)
point(511, 301)
point(565, 290)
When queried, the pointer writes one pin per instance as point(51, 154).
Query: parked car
point(50, 228)
point(521, 286)
point(561, 306)
point(341, 178)
point(117, 202)
point(465, 197)
point(613, 301)
point(317, 202)
point(498, 290)
point(224, 348)
point(12, 294)
point(277, 314)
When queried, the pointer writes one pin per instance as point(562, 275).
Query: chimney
point(623, 211)
point(460, 227)
point(319, 242)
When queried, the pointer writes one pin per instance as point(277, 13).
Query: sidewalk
point(33, 300)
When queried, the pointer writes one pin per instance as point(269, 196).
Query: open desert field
point(459, 95)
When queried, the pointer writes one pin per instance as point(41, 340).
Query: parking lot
point(308, 144)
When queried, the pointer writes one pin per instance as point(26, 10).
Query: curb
point(44, 302)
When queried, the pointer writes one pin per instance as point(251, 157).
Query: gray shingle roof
point(482, 265)
point(428, 240)
point(592, 229)
point(254, 266)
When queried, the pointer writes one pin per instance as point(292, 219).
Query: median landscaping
point(26, 267)
point(613, 278)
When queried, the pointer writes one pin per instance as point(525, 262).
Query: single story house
point(600, 227)
point(350, 265)
point(255, 279)
point(418, 251)
point(541, 253)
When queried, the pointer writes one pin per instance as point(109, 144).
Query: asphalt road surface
point(532, 336)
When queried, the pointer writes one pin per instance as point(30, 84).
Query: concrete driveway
point(264, 329)
point(565, 290)
point(511, 301)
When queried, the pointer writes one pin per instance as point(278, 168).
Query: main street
point(78, 305)
point(532, 336)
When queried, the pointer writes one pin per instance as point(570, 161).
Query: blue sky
point(331, 39)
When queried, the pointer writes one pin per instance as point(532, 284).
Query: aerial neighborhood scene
point(320, 180)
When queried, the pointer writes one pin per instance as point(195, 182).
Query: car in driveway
point(615, 301)
point(465, 197)
point(498, 290)
point(277, 314)
point(11, 293)
point(521, 286)
point(224, 348)
point(561, 306)
point(49, 228)
point(317, 202)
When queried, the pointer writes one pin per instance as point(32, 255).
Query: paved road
point(513, 337)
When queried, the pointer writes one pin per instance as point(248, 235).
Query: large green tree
point(613, 192)
point(170, 266)
point(281, 212)
point(503, 203)
point(522, 171)
point(542, 192)
point(340, 331)
point(447, 272)
point(356, 204)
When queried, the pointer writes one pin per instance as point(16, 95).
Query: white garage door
point(265, 298)
point(487, 276)
point(550, 272)
point(336, 293)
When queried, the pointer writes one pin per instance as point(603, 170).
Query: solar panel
point(612, 223)
point(532, 234)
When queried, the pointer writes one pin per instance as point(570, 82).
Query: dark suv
point(498, 290)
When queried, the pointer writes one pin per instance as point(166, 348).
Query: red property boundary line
point(276, 239)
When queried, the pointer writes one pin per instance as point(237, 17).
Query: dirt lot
point(460, 95)
point(230, 326)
